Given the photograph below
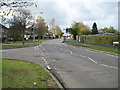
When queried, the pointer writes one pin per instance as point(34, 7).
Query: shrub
point(99, 39)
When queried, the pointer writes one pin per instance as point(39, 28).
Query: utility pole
point(34, 25)
point(23, 23)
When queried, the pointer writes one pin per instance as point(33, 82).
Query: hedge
point(100, 39)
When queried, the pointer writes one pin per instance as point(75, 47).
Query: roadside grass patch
point(101, 48)
point(16, 46)
point(23, 74)
point(0, 74)
point(20, 45)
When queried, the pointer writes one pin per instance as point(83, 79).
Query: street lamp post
point(34, 34)
point(34, 25)
point(23, 23)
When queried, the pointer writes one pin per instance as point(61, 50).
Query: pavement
point(74, 67)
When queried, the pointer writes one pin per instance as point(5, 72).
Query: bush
point(100, 39)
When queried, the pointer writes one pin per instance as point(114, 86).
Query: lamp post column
point(23, 33)
point(33, 34)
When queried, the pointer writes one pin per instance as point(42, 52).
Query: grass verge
point(101, 48)
point(20, 45)
point(0, 74)
point(22, 74)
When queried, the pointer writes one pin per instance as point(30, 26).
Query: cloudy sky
point(65, 12)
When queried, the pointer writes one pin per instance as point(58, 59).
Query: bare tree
point(19, 22)
point(7, 7)
point(15, 32)
point(10, 7)
point(52, 23)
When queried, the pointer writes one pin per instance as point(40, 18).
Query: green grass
point(22, 74)
point(0, 74)
point(101, 48)
point(19, 44)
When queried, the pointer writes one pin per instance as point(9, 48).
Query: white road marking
point(104, 65)
point(54, 60)
point(101, 51)
point(44, 60)
point(35, 48)
point(114, 67)
point(66, 50)
point(112, 55)
point(92, 60)
point(82, 56)
point(108, 66)
point(86, 57)
point(90, 51)
point(48, 67)
point(70, 52)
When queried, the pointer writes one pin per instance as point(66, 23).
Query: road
point(81, 67)
point(77, 67)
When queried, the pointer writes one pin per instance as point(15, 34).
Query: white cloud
point(104, 12)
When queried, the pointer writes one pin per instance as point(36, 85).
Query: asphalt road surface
point(81, 67)
point(77, 67)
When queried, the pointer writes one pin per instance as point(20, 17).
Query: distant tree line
point(79, 28)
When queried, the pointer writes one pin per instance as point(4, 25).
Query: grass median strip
point(23, 74)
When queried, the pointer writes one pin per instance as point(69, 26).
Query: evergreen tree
point(94, 28)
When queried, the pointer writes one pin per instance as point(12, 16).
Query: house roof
point(3, 27)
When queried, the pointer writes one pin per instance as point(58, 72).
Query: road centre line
point(69, 51)
point(97, 52)
point(97, 62)
point(108, 66)
point(92, 60)
point(82, 56)
point(112, 55)
point(90, 51)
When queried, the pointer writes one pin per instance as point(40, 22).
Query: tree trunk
point(23, 40)
point(23, 35)
point(41, 37)
point(74, 37)
point(79, 38)
point(14, 41)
